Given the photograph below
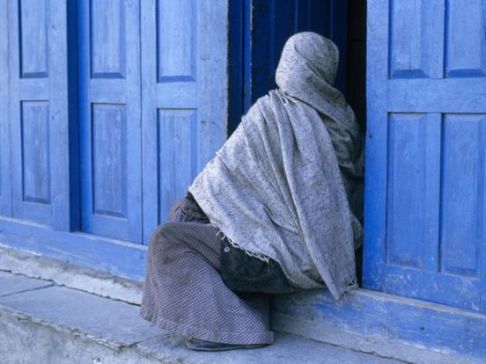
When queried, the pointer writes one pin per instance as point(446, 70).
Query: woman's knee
point(163, 239)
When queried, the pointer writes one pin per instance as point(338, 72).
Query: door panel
point(184, 92)
point(34, 126)
point(462, 188)
point(177, 155)
point(38, 112)
point(409, 205)
point(109, 114)
point(465, 43)
point(426, 151)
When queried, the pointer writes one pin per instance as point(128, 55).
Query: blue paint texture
point(425, 181)
point(108, 110)
point(94, 147)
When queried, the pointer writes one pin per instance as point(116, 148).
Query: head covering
point(306, 71)
point(283, 184)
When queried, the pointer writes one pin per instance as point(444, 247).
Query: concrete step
point(42, 322)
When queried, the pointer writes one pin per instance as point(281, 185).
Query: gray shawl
point(287, 183)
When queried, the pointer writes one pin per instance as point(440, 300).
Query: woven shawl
point(287, 183)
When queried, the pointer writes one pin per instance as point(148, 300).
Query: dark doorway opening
point(356, 59)
point(356, 78)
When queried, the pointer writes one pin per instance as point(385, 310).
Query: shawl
point(287, 183)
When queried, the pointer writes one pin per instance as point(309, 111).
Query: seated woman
point(275, 211)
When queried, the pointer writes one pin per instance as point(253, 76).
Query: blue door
point(184, 97)
point(425, 210)
point(35, 147)
point(108, 109)
point(152, 108)
point(110, 118)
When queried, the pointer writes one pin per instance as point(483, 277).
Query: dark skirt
point(198, 285)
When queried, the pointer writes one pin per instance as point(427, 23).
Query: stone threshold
point(55, 274)
point(43, 322)
point(61, 273)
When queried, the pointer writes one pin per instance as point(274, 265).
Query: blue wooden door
point(425, 216)
point(85, 117)
point(184, 97)
point(110, 118)
point(35, 148)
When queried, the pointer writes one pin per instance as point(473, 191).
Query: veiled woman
point(276, 211)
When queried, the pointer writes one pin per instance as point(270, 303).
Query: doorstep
point(382, 325)
point(42, 322)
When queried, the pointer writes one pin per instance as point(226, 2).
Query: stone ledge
point(102, 284)
point(45, 323)
point(383, 324)
point(318, 318)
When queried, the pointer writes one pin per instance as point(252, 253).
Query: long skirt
point(185, 294)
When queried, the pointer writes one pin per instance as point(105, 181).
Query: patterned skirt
point(187, 284)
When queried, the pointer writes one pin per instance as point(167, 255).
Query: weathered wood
point(385, 324)
point(109, 118)
point(425, 235)
point(120, 258)
point(184, 93)
point(5, 175)
point(38, 112)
